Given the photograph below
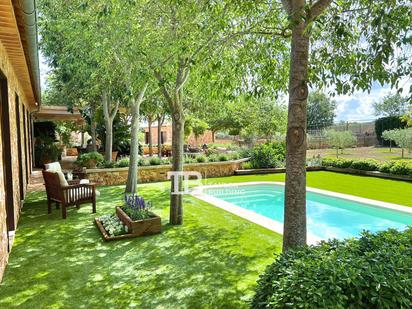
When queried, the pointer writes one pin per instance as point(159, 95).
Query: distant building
point(166, 136)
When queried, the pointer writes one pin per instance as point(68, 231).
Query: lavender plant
point(136, 207)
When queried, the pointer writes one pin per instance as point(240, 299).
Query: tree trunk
point(294, 231)
point(149, 123)
point(176, 209)
point(213, 136)
point(403, 153)
point(131, 183)
point(108, 146)
point(93, 131)
point(159, 136)
point(108, 118)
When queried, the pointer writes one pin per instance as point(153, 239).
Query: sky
point(355, 107)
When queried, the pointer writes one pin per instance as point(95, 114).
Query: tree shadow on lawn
point(213, 260)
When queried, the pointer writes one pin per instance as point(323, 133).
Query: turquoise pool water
point(327, 217)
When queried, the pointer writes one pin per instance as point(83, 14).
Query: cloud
point(359, 105)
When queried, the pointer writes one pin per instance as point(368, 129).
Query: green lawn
point(213, 260)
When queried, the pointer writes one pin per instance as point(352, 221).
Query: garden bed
point(149, 226)
point(118, 176)
point(106, 236)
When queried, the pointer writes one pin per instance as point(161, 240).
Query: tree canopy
point(391, 105)
point(321, 110)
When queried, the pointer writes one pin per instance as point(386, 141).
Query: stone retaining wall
point(118, 176)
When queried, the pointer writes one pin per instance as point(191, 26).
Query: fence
point(364, 132)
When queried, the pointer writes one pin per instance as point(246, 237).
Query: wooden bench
point(72, 194)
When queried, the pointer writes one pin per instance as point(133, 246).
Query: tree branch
point(287, 6)
point(161, 81)
point(114, 111)
point(318, 8)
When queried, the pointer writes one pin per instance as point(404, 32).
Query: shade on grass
point(213, 260)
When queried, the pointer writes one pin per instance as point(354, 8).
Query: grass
point(213, 260)
point(378, 153)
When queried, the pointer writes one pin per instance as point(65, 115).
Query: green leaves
point(362, 40)
point(371, 272)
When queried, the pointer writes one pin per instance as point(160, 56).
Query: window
point(163, 137)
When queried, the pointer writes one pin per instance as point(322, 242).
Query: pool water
point(327, 216)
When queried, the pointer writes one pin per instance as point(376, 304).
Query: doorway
point(7, 156)
point(20, 143)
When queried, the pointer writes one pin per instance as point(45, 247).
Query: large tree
point(391, 105)
point(189, 42)
point(353, 44)
point(321, 110)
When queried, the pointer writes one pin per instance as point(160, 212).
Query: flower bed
point(133, 219)
point(112, 228)
point(118, 176)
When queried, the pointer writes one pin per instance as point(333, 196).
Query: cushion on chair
point(53, 167)
point(63, 181)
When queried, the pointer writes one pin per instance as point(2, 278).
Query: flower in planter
point(113, 225)
point(137, 208)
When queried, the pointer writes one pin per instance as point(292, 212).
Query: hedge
point(374, 271)
point(400, 167)
point(387, 123)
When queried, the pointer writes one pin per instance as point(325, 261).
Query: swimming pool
point(329, 214)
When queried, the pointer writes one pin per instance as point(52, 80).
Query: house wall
point(13, 88)
point(205, 138)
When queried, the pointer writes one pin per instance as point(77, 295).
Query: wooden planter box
point(106, 236)
point(142, 227)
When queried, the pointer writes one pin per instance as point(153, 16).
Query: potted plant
point(136, 214)
point(46, 151)
point(90, 159)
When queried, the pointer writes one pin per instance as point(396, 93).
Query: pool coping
point(276, 226)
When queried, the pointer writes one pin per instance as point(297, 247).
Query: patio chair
point(66, 193)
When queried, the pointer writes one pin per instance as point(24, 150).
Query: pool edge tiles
point(276, 226)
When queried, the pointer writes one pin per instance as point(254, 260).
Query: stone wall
point(118, 176)
point(14, 88)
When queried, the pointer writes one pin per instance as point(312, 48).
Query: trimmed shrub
point(373, 271)
point(213, 158)
point(108, 164)
point(340, 163)
point(402, 167)
point(90, 159)
point(268, 155)
point(366, 165)
point(223, 157)
point(201, 159)
point(155, 161)
point(143, 162)
point(386, 166)
point(123, 162)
